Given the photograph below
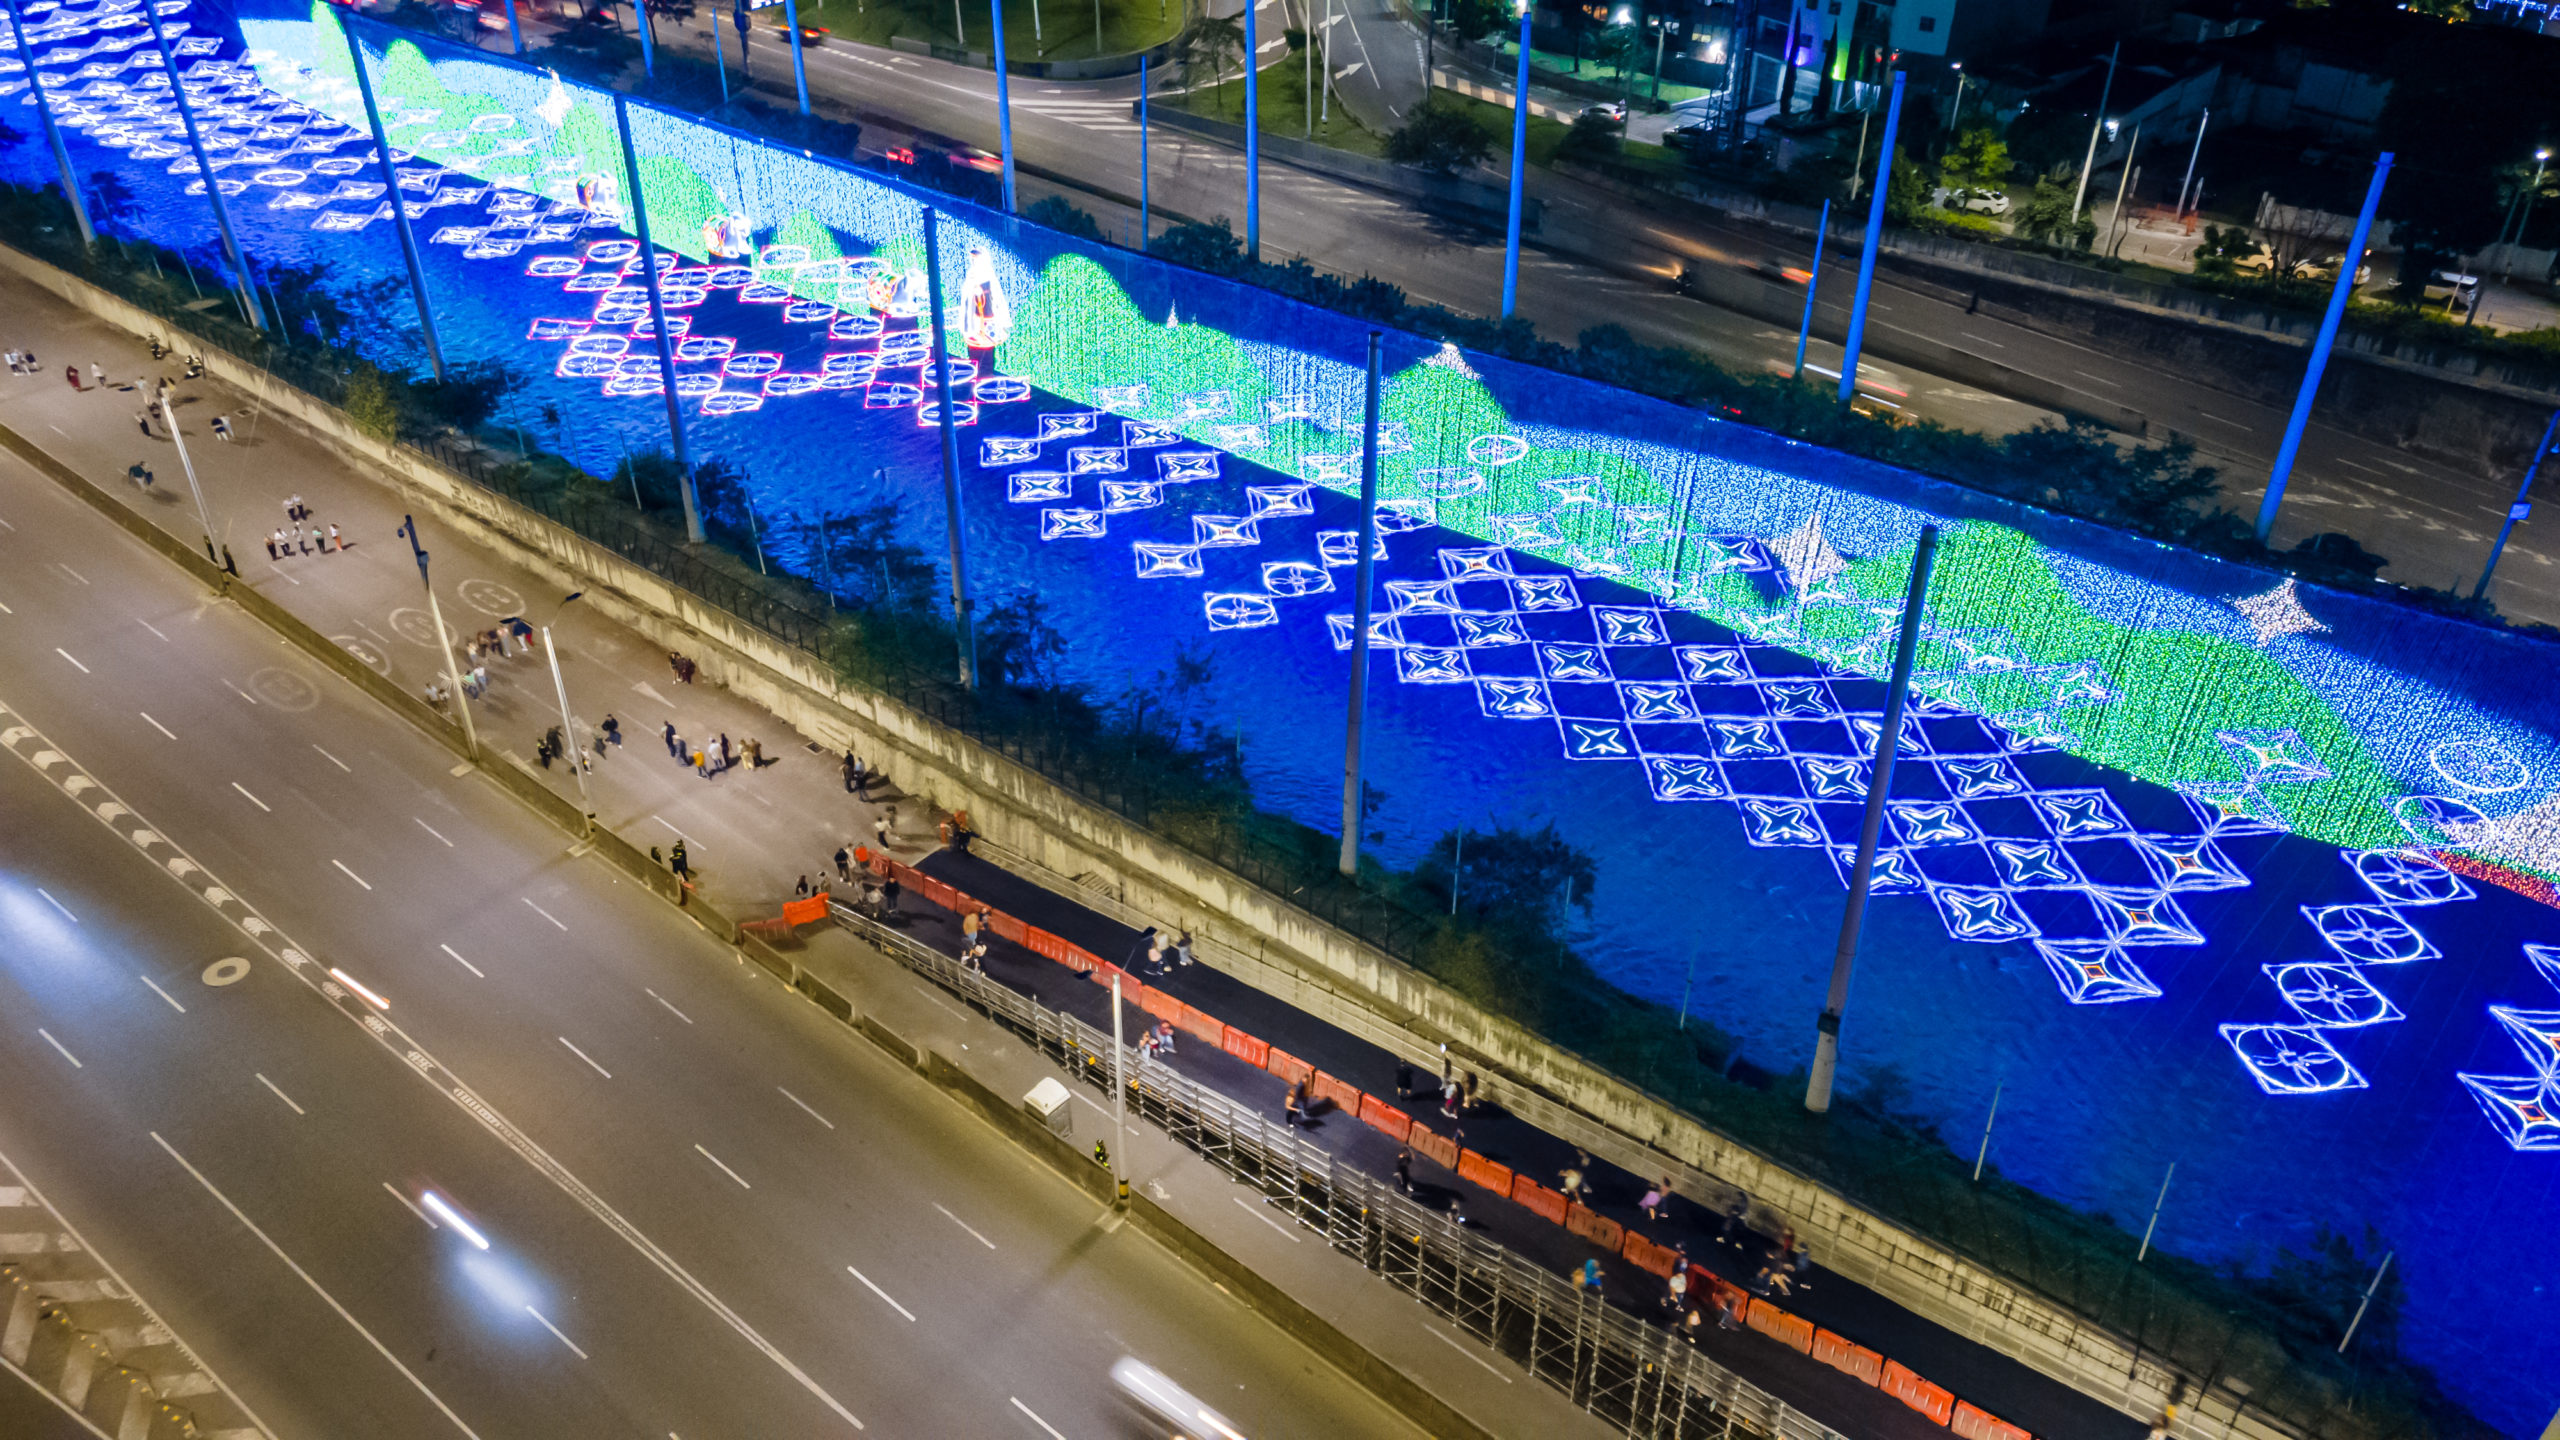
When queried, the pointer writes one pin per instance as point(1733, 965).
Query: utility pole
point(1812, 286)
point(212, 187)
point(1826, 1049)
point(2124, 183)
point(1867, 252)
point(2302, 402)
point(2378, 1272)
point(1143, 212)
point(2522, 507)
point(399, 204)
point(2097, 124)
point(1361, 576)
point(1004, 104)
point(941, 369)
point(800, 68)
point(2198, 149)
point(658, 328)
point(204, 512)
point(444, 641)
point(1119, 1090)
point(52, 134)
point(1252, 135)
point(1519, 169)
point(515, 32)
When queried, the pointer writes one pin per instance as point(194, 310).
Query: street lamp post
point(1519, 169)
point(2198, 149)
point(1955, 112)
point(515, 31)
point(444, 640)
point(1826, 1049)
point(204, 512)
point(2522, 507)
point(648, 47)
point(1867, 252)
point(2521, 211)
point(568, 722)
point(52, 134)
point(658, 327)
point(1143, 211)
point(1361, 573)
point(800, 73)
point(212, 187)
point(940, 369)
point(1812, 285)
point(1252, 136)
point(2097, 123)
point(399, 205)
point(1004, 105)
point(2302, 402)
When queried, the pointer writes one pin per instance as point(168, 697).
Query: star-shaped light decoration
point(2276, 613)
point(1806, 555)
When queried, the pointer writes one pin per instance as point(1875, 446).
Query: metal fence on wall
point(1635, 1376)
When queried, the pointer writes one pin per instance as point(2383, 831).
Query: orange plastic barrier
point(1008, 928)
point(1287, 1066)
point(1195, 1021)
point(1846, 1358)
point(1933, 1401)
point(1537, 1199)
point(1154, 1001)
point(1974, 1424)
point(1477, 1170)
point(1720, 1293)
point(1345, 1096)
point(805, 912)
point(1379, 1115)
point(1780, 1326)
point(1595, 1227)
point(1641, 1252)
point(1434, 1147)
point(1244, 1047)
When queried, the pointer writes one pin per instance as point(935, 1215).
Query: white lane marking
point(725, 1170)
point(74, 574)
point(2101, 379)
point(305, 1275)
point(581, 1054)
point(298, 1110)
point(545, 914)
point(243, 694)
point(965, 1225)
point(2234, 424)
point(803, 1104)
point(163, 994)
point(67, 655)
point(555, 1333)
point(1256, 1212)
point(147, 625)
point(672, 1010)
point(156, 725)
point(58, 905)
point(58, 1045)
point(396, 1195)
point(334, 760)
point(254, 800)
point(465, 964)
point(883, 1294)
point(350, 874)
point(430, 829)
point(1470, 1354)
point(1027, 1410)
point(1981, 340)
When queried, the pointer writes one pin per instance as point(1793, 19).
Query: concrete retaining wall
point(1262, 939)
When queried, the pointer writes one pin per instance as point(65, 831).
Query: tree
point(1017, 645)
point(371, 404)
point(1908, 199)
point(1592, 137)
point(2046, 215)
point(1440, 138)
point(1475, 19)
point(1055, 212)
point(111, 201)
point(1212, 247)
point(1214, 43)
point(467, 396)
point(1978, 160)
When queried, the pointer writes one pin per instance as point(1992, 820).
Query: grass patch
point(1282, 108)
point(1065, 28)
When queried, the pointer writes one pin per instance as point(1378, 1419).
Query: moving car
point(1174, 1410)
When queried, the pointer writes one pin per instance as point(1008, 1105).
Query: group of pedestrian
point(975, 927)
point(857, 776)
point(682, 666)
point(291, 537)
point(23, 362)
point(710, 757)
point(1155, 956)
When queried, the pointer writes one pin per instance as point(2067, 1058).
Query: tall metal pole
point(1004, 105)
point(204, 512)
point(1360, 579)
point(720, 59)
point(941, 358)
point(2154, 1227)
point(2519, 510)
point(444, 641)
point(515, 32)
point(399, 206)
point(2097, 123)
point(1984, 1154)
point(658, 324)
point(1252, 136)
point(212, 189)
point(1826, 1048)
point(1812, 287)
point(800, 68)
point(2192, 152)
point(1519, 170)
point(1143, 211)
point(569, 732)
point(52, 134)
point(1874, 241)
point(2328, 336)
point(2124, 183)
point(648, 48)
point(1119, 1097)
point(2378, 1272)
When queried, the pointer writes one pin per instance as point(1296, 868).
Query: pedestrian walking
point(970, 924)
point(1138, 952)
point(1182, 949)
point(1404, 1169)
point(861, 779)
point(753, 749)
point(802, 890)
point(1404, 1079)
point(222, 428)
point(97, 376)
point(680, 863)
point(72, 374)
point(1467, 1094)
point(889, 888)
point(1675, 1293)
point(880, 827)
point(271, 545)
point(674, 748)
point(726, 759)
point(851, 767)
point(1293, 1106)
point(334, 542)
point(1448, 1102)
point(1736, 1211)
point(142, 418)
point(1589, 1279)
point(611, 729)
point(1656, 1201)
point(702, 763)
point(844, 868)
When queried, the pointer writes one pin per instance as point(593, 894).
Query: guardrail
point(1630, 1374)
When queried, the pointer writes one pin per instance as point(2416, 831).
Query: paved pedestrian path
point(752, 832)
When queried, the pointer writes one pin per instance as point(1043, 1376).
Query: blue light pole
point(800, 74)
point(939, 368)
point(1867, 252)
point(1361, 574)
point(1004, 104)
point(2519, 510)
point(399, 206)
point(1143, 211)
point(658, 323)
point(52, 136)
point(648, 48)
point(1519, 169)
point(515, 36)
point(1812, 286)
point(2302, 402)
point(212, 189)
point(1252, 137)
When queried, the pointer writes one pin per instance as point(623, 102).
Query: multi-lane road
point(708, 1211)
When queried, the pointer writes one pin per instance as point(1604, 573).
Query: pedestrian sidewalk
point(749, 849)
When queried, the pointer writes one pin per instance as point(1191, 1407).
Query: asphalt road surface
point(709, 1211)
